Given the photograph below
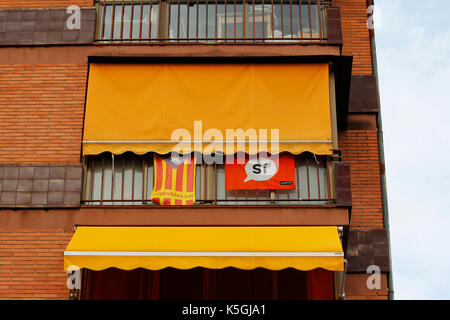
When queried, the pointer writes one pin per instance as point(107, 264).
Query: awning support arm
point(342, 290)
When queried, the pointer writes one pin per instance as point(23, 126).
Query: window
point(118, 180)
point(211, 20)
point(128, 179)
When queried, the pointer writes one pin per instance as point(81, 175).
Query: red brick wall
point(44, 4)
point(360, 147)
point(31, 264)
point(42, 112)
point(355, 34)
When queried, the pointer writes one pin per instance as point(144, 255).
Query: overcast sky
point(413, 50)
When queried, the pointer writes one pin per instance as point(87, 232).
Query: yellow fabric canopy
point(155, 248)
point(137, 107)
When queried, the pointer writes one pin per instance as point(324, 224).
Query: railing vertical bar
point(206, 24)
point(132, 178)
point(92, 178)
point(225, 189)
point(178, 21)
point(282, 20)
point(123, 177)
point(318, 180)
point(307, 178)
point(121, 21)
point(196, 20)
point(300, 16)
point(112, 176)
point(215, 183)
point(226, 18)
point(140, 19)
point(188, 13)
point(297, 173)
point(254, 22)
point(131, 19)
point(151, 162)
point(328, 181)
point(205, 181)
point(215, 20)
point(113, 19)
point(101, 184)
point(310, 23)
point(263, 35)
point(272, 22)
point(292, 23)
point(234, 20)
point(103, 20)
point(150, 20)
point(244, 20)
point(144, 162)
point(319, 18)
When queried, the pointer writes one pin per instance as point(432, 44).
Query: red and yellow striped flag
point(174, 181)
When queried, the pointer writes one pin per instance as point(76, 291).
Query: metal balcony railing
point(212, 21)
point(128, 180)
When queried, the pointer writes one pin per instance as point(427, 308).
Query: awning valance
point(155, 248)
point(146, 107)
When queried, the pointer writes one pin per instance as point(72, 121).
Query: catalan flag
point(174, 180)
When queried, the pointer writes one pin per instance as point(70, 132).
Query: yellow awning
point(137, 107)
point(155, 248)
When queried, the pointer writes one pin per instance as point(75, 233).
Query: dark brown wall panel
point(40, 186)
point(334, 25)
point(343, 184)
point(363, 94)
point(366, 248)
point(45, 27)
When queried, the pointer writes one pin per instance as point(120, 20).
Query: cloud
point(413, 47)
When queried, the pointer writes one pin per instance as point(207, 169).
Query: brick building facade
point(44, 71)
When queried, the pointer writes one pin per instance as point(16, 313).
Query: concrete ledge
point(174, 216)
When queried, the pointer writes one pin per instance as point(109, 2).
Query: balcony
point(127, 180)
point(215, 21)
